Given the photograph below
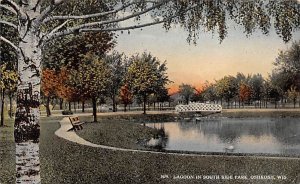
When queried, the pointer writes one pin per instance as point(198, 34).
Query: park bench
point(77, 125)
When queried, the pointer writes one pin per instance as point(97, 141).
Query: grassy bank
point(65, 162)
point(115, 133)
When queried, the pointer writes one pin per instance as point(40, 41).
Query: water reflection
point(158, 141)
point(248, 135)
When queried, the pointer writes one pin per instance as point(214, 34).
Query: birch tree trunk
point(27, 128)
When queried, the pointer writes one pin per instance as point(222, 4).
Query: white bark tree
point(40, 21)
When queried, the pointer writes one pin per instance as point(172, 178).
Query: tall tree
point(91, 79)
point(49, 87)
point(37, 22)
point(67, 53)
point(117, 67)
point(209, 92)
point(146, 75)
point(257, 82)
point(287, 67)
point(63, 89)
point(227, 88)
point(244, 92)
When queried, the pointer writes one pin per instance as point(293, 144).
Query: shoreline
point(169, 116)
point(271, 113)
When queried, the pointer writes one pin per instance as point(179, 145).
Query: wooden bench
point(77, 125)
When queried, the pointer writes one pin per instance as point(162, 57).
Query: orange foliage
point(244, 92)
point(55, 84)
point(125, 95)
point(63, 89)
point(49, 82)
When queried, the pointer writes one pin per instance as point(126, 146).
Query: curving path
point(73, 137)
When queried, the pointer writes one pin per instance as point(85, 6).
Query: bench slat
point(77, 125)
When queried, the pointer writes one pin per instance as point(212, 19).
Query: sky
point(208, 60)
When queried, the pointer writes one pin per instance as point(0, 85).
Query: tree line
point(79, 68)
point(283, 84)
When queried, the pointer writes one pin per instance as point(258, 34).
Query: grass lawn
point(66, 162)
point(113, 133)
point(7, 152)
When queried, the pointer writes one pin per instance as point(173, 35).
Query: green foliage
point(186, 91)
point(256, 83)
point(7, 55)
point(162, 95)
point(116, 63)
point(69, 51)
point(8, 79)
point(91, 79)
point(252, 15)
point(287, 68)
point(146, 75)
point(209, 92)
point(227, 87)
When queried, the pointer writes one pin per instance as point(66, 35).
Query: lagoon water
point(236, 135)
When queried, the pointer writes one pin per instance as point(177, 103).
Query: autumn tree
point(67, 53)
point(91, 79)
point(49, 87)
point(145, 76)
point(126, 97)
point(63, 89)
point(244, 93)
point(37, 22)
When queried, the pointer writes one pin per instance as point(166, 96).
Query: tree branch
point(10, 43)
point(13, 5)
point(67, 17)
point(87, 25)
point(9, 9)
point(9, 24)
point(48, 10)
point(123, 28)
point(58, 27)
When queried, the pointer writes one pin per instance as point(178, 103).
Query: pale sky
point(209, 59)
